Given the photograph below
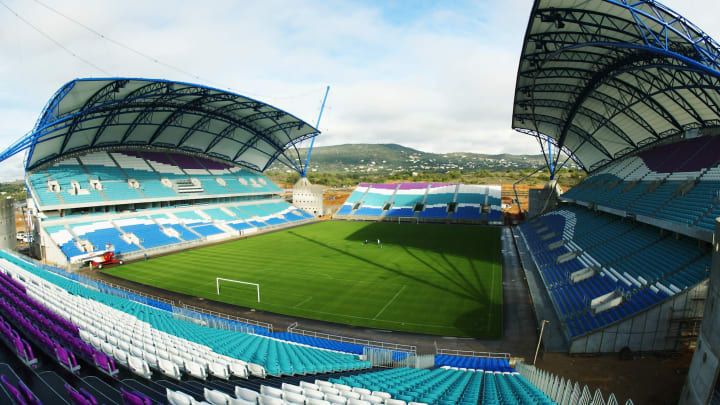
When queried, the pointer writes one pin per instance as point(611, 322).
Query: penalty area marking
point(390, 302)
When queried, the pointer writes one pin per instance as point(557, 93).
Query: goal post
point(218, 279)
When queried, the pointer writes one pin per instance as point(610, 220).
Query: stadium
point(165, 266)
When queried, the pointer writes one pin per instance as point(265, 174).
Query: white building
point(308, 197)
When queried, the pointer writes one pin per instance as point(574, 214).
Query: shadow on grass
point(459, 240)
point(472, 321)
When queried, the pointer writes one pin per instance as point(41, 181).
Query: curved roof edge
point(603, 79)
point(95, 113)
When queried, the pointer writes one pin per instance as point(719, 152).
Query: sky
point(437, 76)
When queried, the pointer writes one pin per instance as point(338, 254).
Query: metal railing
point(188, 312)
point(136, 292)
point(228, 317)
point(393, 359)
point(562, 391)
point(102, 286)
point(345, 339)
point(470, 353)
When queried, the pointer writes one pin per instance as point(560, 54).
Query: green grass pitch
point(427, 278)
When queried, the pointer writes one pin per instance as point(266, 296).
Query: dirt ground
point(650, 379)
point(523, 191)
point(508, 196)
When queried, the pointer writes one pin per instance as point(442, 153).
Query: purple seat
point(77, 398)
point(25, 352)
point(134, 398)
point(84, 349)
point(14, 392)
point(105, 363)
point(88, 396)
point(66, 358)
point(29, 395)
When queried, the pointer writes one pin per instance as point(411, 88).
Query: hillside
point(389, 158)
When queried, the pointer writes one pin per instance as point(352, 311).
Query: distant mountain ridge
point(394, 157)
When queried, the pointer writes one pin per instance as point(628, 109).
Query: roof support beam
point(576, 130)
point(595, 81)
point(597, 119)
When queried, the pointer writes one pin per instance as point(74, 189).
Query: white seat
point(329, 390)
point(381, 394)
point(238, 369)
point(417, 403)
point(178, 360)
point(315, 401)
point(372, 399)
point(311, 393)
point(361, 390)
point(151, 359)
point(256, 370)
point(357, 402)
point(291, 388)
point(196, 370)
point(323, 383)
point(107, 348)
point(268, 400)
point(120, 356)
point(216, 397)
point(135, 351)
point(293, 398)
point(84, 335)
point(124, 346)
point(305, 384)
point(391, 401)
point(342, 387)
point(219, 370)
point(139, 366)
point(111, 339)
point(177, 397)
point(237, 401)
point(350, 394)
point(96, 342)
point(270, 391)
point(169, 368)
point(246, 394)
point(335, 399)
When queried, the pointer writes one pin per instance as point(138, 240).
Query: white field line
point(303, 302)
point(492, 295)
point(390, 302)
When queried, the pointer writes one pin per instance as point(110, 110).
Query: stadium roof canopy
point(603, 78)
point(91, 114)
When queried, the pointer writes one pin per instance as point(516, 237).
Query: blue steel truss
point(587, 68)
point(268, 133)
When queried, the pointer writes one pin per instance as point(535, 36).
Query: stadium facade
point(148, 166)
point(630, 92)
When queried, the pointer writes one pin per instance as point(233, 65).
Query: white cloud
point(439, 80)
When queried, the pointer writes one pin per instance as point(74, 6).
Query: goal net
point(227, 280)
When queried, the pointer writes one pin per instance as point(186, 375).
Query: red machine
point(102, 259)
